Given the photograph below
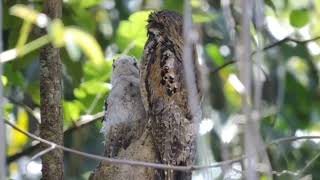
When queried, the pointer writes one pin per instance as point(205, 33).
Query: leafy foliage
point(92, 33)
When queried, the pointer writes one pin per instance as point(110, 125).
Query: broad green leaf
point(89, 3)
point(131, 34)
point(233, 97)
point(299, 18)
point(94, 87)
point(13, 75)
point(100, 72)
point(196, 3)
point(87, 43)
point(214, 53)
point(4, 80)
point(61, 35)
point(18, 140)
point(56, 32)
point(72, 110)
point(203, 17)
point(176, 5)
point(79, 93)
point(8, 108)
point(85, 20)
point(84, 3)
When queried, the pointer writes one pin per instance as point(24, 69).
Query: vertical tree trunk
point(2, 127)
point(51, 94)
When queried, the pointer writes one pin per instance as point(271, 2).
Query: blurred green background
point(290, 84)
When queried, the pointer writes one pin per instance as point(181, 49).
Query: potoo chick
point(164, 93)
point(124, 113)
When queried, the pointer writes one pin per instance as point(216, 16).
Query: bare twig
point(289, 39)
point(28, 109)
point(309, 164)
point(268, 47)
point(38, 155)
point(148, 164)
point(81, 123)
point(223, 66)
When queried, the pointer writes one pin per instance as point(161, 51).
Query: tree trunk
point(51, 127)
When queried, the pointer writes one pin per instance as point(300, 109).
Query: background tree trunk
point(51, 127)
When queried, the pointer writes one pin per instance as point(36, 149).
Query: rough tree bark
point(51, 127)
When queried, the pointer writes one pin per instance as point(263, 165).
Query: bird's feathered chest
point(163, 70)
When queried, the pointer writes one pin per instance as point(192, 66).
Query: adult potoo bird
point(164, 93)
point(124, 114)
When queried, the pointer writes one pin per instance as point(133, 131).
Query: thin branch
point(148, 164)
point(309, 164)
point(289, 39)
point(278, 43)
point(85, 120)
point(14, 53)
point(223, 66)
point(41, 153)
point(289, 139)
point(81, 123)
point(27, 108)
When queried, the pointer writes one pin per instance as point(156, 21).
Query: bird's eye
point(151, 34)
point(135, 64)
point(113, 66)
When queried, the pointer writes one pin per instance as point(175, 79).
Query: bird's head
point(164, 23)
point(125, 66)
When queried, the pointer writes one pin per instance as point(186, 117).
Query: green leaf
point(72, 111)
point(85, 20)
point(203, 17)
point(18, 140)
point(131, 34)
point(13, 75)
point(56, 32)
point(214, 53)
point(4, 80)
point(87, 43)
point(100, 72)
point(94, 87)
point(79, 93)
point(89, 3)
point(299, 18)
point(8, 109)
point(176, 5)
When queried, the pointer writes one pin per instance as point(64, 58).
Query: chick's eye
point(151, 34)
point(135, 64)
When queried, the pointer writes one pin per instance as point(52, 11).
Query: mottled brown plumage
point(124, 118)
point(164, 93)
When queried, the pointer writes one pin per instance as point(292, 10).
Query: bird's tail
point(177, 175)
